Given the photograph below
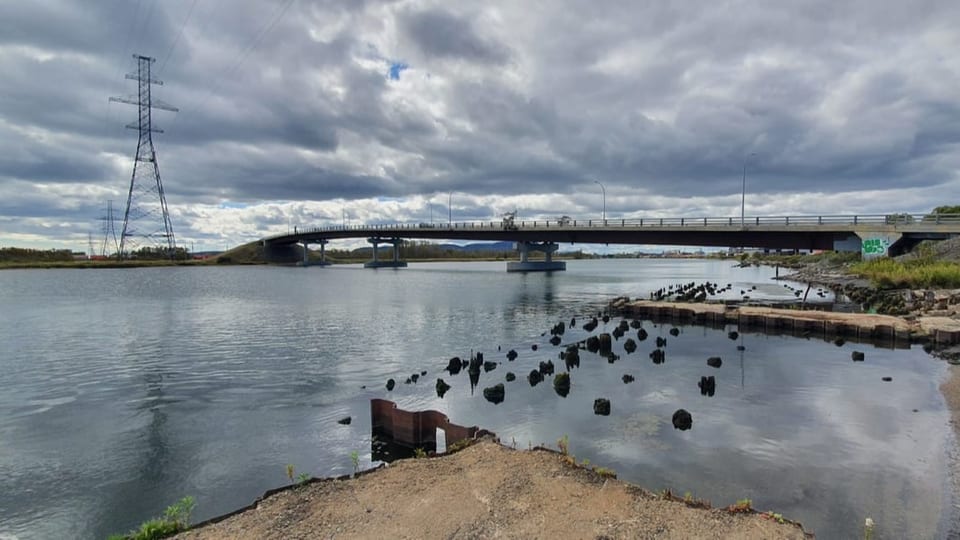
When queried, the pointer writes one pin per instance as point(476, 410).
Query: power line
point(177, 39)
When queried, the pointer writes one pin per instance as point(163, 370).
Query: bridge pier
point(546, 265)
point(306, 253)
point(376, 262)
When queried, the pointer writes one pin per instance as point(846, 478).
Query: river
point(124, 390)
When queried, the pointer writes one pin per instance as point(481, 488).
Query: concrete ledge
point(536, 266)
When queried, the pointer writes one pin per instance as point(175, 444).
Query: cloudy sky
point(300, 112)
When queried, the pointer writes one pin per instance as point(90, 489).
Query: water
point(125, 390)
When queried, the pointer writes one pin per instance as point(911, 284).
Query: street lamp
point(449, 210)
point(743, 188)
point(603, 190)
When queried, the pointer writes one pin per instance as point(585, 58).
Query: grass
point(176, 518)
point(922, 272)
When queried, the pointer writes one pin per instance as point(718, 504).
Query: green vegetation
point(742, 506)
point(20, 255)
point(564, 444)
point(605, 472)
point(355, 459)
point(923, 271)
point(302, 479)
point(459, 445)
point(419, 453)
point(827, 258)
point(175, 519)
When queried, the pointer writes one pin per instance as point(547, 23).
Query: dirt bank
point(485, 491)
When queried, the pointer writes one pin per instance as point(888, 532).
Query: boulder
point(561, 384)
point(442, 387)
point(390, 384)
point(511, 377)
point(606, 319)
point(601, 406)
point(661, 341)
point(591, 325)
point(535, 377)
point(555, 340)
point(742, 348)
point(494, 394)
point(573, 322)
point(617, 333)
point(733, 334)
point(858, 356)
point(674, 331)
point(636, 324)
point(629, 345)
point(606, 344)
point(415, 377)
point(572, 357)
point(641, 335)
point(345, 421)
point(511, 355)
point(682, 420)
point(489, 366)
point(887, 379)
point(593, 344)
point(624, 325)
point(533, 347)
point(658, 356)
point(546, 368)
point(714, 361)
point(627, 378)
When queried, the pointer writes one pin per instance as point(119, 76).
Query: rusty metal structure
point(403, 431)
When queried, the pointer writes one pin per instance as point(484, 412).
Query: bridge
point(873, 235)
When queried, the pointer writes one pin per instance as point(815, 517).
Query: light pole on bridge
point(603, 191)
point(449, 210)
point(743, 188)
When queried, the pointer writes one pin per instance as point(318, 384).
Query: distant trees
point(22, 255)
point(935, 214)
point(159, 253)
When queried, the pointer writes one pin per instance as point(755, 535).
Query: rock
point(839, 342)
point(345, 421)
point(708, 385)
point(629, 345)
point(573, 322)
point(494, 394)
point(661, 341)
point(561, 384)
point(408, 381)
point(464, 363)
point(593, 344)
point(390, 384)
point(476, 362)
point(682, 420)
point(658, 356)
point(489, 366)
point(857, 356)
point(591, 326)
point(533, 347)
point(714, 361)
point(887, 379)
point(535, 377)
point(641, 334)
point(511, 355)
point(454, 365)
point(741, 348)
point(627, 378)
point(624, 325)
point(601, 406)
point(674, 331)
point(733, 334)
point(617, 333)
point(511, 377)
point(415, 377)
point(611, 357)
point(442, 387)
point(555, 340)
point(636, 324)
point(606, 319)
point(546, 368)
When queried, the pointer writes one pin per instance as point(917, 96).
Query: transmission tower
point(146, 220)
point(109, 232)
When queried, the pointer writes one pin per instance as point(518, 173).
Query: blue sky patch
point(395, 69)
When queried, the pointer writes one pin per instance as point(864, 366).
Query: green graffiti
point(875, 246)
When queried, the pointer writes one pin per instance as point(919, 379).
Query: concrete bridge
point(873, 235)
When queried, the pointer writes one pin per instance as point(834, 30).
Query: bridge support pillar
point(306, 253)
point(546, 265)
point(877, 244)
point(377, 263)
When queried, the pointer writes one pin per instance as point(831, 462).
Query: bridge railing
point(657, 222)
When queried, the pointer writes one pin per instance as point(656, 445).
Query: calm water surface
point(124, 390)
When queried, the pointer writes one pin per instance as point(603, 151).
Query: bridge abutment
point(546, 265)
point(306, 253)
point(377, 263)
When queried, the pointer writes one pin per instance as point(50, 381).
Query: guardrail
point(724, 222)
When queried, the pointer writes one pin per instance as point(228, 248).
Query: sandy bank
point(484, 491)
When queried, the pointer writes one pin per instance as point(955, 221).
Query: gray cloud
point(505, 104)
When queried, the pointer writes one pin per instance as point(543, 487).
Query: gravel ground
point(485, 491)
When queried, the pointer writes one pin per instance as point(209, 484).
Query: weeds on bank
point(300, 479)
point(419, 453)
point(355, 459)
point(921, 272)
point(742, 506)
point(459, 445)
point(563, 443)
point(176, 518)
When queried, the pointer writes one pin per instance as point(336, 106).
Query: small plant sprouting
point(290, 472)
point(564, 444)
point(355, 459)
point(688, 497)
point(176, 518)
point(605, 472)
point(585, 462)
point(302, 479)
point(773, 516)
point(179, 513)
point(419, 453)
point(742, 506)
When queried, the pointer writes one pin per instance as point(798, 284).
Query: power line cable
point(177, 39)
